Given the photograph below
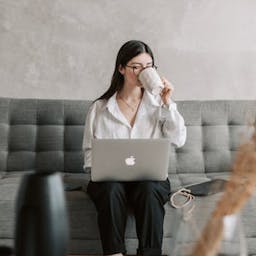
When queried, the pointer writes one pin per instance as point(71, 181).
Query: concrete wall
point(67, 49)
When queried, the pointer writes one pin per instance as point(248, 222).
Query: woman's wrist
point(166, 105)
point(166, 102)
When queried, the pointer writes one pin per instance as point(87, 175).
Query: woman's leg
point(111, 204)
point(147, 199)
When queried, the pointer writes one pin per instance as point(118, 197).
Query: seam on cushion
point(64, 130)
point(36, 146)
point(8, 138)
point(202, 139)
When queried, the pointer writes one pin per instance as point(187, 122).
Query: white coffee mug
point(151, 81)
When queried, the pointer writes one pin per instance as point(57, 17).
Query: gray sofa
point(38, 134)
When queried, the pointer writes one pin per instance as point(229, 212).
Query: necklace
point(133, 108)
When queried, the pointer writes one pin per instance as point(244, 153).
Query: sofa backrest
point(215, 129)
point(41, 134)
point(37, 134)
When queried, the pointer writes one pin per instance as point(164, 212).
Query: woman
point(126, 110)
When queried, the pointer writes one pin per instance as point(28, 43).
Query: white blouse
point(153, 120)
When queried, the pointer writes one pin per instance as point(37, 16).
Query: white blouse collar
point(147, 100)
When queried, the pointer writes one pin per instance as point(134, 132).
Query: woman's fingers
point(167, 83)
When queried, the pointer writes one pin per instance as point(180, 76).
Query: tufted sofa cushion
point(214, 131)
point(41, 135)
point(47, 135)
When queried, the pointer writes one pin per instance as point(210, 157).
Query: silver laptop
point(130, 159)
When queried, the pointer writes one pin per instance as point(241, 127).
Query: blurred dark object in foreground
point(41, 216)
point(6, 251)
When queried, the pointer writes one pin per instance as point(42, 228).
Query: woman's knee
point(146, 188)
point(105, 190)
point(112, 189)
point(152, 190)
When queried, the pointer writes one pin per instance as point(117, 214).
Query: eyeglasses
point(138, 68)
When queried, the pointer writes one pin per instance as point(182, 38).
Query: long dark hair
point(127, 51)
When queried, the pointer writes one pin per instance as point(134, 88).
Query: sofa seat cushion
point(8, 192)
point(184, 179)
point(81, 210)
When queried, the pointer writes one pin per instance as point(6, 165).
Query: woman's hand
point(166, 92)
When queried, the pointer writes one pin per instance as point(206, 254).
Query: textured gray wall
point(67, 49)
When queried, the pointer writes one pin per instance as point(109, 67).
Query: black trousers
point(146, 198)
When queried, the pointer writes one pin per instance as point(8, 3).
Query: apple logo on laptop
point(130, 161)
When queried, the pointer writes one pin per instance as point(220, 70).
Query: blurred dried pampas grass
point(238, 189)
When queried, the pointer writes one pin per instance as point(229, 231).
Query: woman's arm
point(88, 135)
point(173, 125)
